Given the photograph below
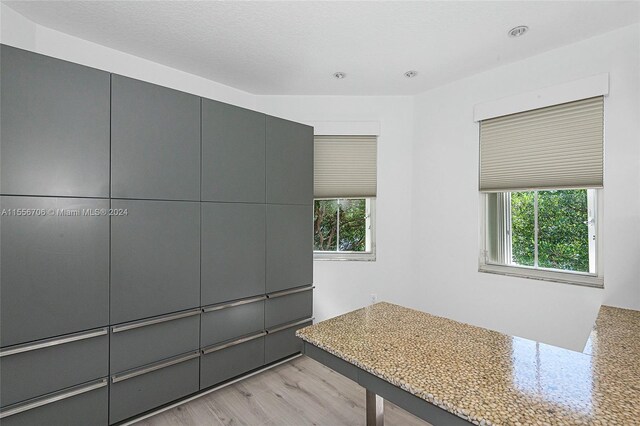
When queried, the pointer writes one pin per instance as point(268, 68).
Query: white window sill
point(575, 278)
point(342, 256)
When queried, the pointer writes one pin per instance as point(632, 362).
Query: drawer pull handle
point(58, 396)
point(285, 326)
point(131, 326)
point(288, 292)
point(232, 304)
point(208, 350)
point(53, 342)
point(153, 367)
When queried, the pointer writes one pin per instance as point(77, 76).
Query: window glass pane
point(325, 225)
point(493, 224)
point(523, 228)
point(353, 225)
point(563, 232)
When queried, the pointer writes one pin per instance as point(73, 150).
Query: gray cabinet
point(127, 208)
point(233, 153)
point(55, 127)
point(34, 369)
point(289, 246)
point(233, 251)
point(220, 363)
point(143, 342)
point(289, 162)
point(288, 306)
point(55, 267)
point(155, 259)
point(82, 405)
point(140, 390)
point(155, 142)
point(229, 321)
point(282, 342)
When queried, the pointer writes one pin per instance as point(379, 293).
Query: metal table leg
point(375, 409)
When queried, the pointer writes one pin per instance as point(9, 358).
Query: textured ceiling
point(295, 47)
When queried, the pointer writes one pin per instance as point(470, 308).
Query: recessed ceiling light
point(518, 31)
point(410, 74)
point(339, 75)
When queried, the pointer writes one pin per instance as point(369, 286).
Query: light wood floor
point(297, 393)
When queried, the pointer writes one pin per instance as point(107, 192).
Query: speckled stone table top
point(490, 378)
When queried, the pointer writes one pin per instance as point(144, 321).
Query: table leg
point(375, 409)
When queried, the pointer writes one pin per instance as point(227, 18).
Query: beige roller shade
point(557, 147)
point(344, 166)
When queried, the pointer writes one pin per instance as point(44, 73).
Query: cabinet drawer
point(232, 320)
point(144, 342)
point(281, 341)
point(136, 391)
point(287, 306)
point(31, 370)
point(223, 362)
point(83, 405)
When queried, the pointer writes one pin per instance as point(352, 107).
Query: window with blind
point(540, 175)
point(345, 186)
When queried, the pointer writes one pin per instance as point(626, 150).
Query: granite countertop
point(490, 378)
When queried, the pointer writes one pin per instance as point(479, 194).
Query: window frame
point(595, 279)
point(370, 255)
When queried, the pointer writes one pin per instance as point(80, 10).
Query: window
point(343, 227)
point(540, 174)
point(552, 231)
point(344, 190)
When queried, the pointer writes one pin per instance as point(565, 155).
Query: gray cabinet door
point(156, 384)
point(144, 342)
point(286, 308)
point(155, 142)
point(220, 323)
point(83, 405)
point(233, 251)
point(233, 153)
point(155, 258)
point(223, 364)
point(289, 246)
point(55, 126)
point(283, 343)
point(289, 162)
point(31, 370)
point(55, 268)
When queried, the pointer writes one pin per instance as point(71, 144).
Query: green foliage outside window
point(522, 228)
point(563, 233)
point(340, 225)
point(325, 225)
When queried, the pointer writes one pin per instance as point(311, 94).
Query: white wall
point(447, 201)
point(18, 31)
point(342, 286)
point(428, 203)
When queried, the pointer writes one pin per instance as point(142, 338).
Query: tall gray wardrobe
point(153, 243)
